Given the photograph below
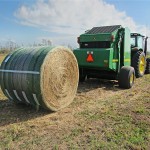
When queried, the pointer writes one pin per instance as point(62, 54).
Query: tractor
point(112, 52)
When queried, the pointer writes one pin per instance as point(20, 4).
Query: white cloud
point(73, 17)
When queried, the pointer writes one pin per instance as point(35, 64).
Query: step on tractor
point(112, 52)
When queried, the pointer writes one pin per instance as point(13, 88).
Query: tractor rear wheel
point(126, 77)
point(147, 71)
point(139, 63)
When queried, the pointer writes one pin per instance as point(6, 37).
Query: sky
point(62, 21)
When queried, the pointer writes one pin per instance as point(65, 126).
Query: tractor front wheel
point(126, 77)
point(147, 71)
point(139, 63)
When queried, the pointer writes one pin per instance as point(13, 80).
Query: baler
point(112, 52)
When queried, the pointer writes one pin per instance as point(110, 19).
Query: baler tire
point(139, 63)
point(126, 77)
point(147, 71)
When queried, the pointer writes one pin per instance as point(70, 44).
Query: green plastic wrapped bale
point(43, 77)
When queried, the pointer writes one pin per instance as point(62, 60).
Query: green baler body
point(109, 59)
point(103, 58)
point(95, 37)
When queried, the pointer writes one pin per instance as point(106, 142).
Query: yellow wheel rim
point(142, 65)
point(131, 78)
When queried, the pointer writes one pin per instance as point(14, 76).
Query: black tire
point(136, 63)
point(126, 74)
point(147, 71)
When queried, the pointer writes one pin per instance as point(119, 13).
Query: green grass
point(148, 56)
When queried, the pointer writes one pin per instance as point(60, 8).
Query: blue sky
point(10, 28)
point(137, 9)
point(61, 21)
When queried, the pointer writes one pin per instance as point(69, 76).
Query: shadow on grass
point(14, 113)
point(91, 84)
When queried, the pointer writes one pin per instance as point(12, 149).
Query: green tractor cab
point(107, 52)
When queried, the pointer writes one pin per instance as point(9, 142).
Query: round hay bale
point(45, 76)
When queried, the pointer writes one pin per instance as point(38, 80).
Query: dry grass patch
point(2, 56)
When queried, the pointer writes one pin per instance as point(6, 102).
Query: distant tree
point(46, 42)
point(49, 42)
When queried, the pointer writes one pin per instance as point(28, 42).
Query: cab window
point(133, 42)
point(140, 42)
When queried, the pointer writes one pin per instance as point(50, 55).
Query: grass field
point(102, 116)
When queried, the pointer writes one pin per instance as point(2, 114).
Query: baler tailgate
point(94, 58)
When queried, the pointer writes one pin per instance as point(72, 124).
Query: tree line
point(10, 45)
